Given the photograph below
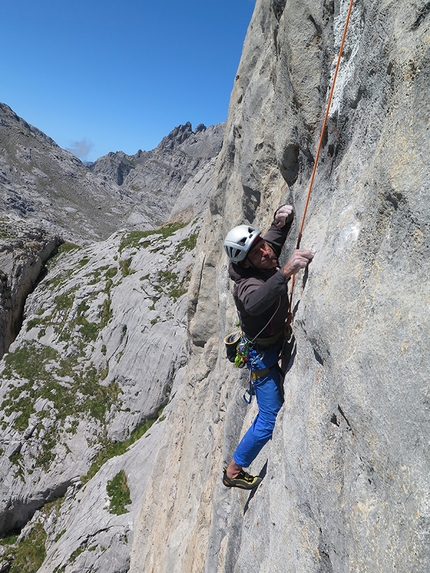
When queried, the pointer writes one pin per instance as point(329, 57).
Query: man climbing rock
point(260, 295)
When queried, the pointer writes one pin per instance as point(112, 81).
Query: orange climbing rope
point(330, 97)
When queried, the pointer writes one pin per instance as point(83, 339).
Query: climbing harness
point(244, 346)
point(311, 181)
point(254, 375)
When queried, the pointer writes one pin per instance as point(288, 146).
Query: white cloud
point(80, 148)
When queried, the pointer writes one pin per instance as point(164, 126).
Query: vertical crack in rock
point(22, 267)
point(345, 418)
point(421, 16)
point(290, 163)
point(278, 7)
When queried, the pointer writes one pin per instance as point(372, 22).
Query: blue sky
point(100, 76)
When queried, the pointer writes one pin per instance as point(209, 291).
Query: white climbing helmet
point(239, 241)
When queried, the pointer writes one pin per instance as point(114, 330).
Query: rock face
point(120, 328)
point(73, 383)
point(348, 469)
point(98, 356)
point(23, 254)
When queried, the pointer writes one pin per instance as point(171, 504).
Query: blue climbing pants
point(269, 399)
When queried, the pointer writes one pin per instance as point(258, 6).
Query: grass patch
point(66, 247)
point(171, 284)
point(84, 261)
point(30, 553)
point(64, 301)
point(189, 243)
point(119, 493)
point(124, 265)
point(110, 449)
point(67, 319)
point(111, 272)
point(9, 540)
point(132, 238)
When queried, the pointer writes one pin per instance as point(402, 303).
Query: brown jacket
point(261, 296)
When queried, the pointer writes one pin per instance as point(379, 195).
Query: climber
point(260, 295)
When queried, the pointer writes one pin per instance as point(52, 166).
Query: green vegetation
point(188, 244)
point(59, 535)
point(119, 493)
point(28, 555)
point(64, 301)
point(83, 547)
point(66, 247)
point(171, 285)
point(84, 261)
point(9, 540)
point(44, 370)
point(155, 299)
point(111, 449)
point(4, 229)
point(111, 272)
point(125, 267)
point(55, 282)
point(132, 238)
point(78, 552)
point(66, 321)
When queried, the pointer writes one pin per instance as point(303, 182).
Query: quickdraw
point(242, 353)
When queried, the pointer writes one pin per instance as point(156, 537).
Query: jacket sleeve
point(277, 236)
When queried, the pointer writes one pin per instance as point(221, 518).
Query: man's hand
point(298, 260)
point(283, 215)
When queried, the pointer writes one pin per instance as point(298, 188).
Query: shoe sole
point(242, 485)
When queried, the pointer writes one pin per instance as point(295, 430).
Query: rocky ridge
point(51, 188)
point(156, 177)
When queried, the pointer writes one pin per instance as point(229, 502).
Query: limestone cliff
point(347, 478)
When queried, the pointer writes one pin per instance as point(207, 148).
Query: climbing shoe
point(243, 480)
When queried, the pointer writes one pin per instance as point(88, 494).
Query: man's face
point(261, 256)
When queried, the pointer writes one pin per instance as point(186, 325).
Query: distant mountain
point(154, 178)
point(51, 188)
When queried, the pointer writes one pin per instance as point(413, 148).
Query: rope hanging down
point(323, 128)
